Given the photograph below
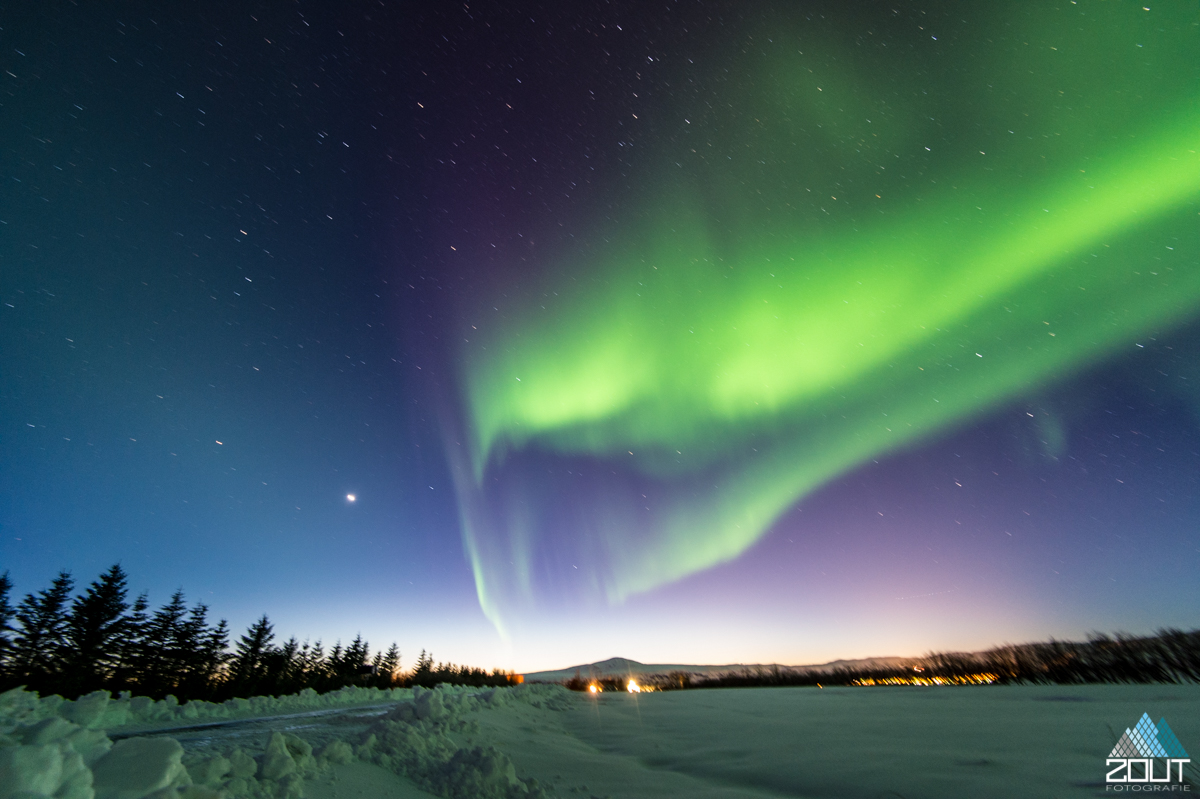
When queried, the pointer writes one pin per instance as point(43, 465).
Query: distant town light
point(983, 678)
point(634, 688)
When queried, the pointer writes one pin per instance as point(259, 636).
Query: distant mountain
point(623, 667)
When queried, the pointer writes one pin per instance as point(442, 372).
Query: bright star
point(350, 497)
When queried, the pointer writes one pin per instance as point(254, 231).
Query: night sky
point(686, 332)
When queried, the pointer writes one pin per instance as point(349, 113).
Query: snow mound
point(56, 749)
point(413, 740)
point(49, 757)
point(138, 767)
point(57, 759)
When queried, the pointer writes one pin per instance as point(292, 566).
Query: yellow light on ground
point(634, 688)
point(593, 689)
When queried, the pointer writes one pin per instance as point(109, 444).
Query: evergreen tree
point(158, 662)
point(128, 645)
point(252, 648)
point(313, 667)
point(216, 641)
point(93, 631)
point(198, 663)
point(6, 616)
point(423, 671)
point(43, 621)
point(335, 667)
point(290, 674)
point(389, 665)
point(189, 638)
point(280, 667)
point(355, 658)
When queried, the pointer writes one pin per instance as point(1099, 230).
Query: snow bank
point(50, 748)
point(413, 740)
point(99, 711)
point(57, 758)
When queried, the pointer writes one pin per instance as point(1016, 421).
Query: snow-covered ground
point(531, 741)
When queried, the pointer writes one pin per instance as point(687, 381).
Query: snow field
point(537, 741)
point(983, 742)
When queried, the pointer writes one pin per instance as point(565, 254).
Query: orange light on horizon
point(985, 678)
point(633, 687)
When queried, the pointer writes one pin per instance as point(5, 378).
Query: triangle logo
point(1145, 735)
point(1168, 740)
point(1147, 739)
point(1125, 747)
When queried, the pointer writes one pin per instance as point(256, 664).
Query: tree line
point(1167, 656)
point(53, 642)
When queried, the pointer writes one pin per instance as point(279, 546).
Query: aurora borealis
point(696, 332)
point(717, 358)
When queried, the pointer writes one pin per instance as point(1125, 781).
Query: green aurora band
point(738, 342)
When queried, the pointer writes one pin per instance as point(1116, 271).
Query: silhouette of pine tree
point(334, 662)
point(200, 653)
point(128, 645)
point(93, 630)
point(376, 677)
point(310, 666)
point(423, 671)
point(158, 658)
point(280, 669)
point(6, 616)
point(389, 665)
point(247, 664)
point(354, 659)
point(215, 646)
point(187, 641)
point(37, 648)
